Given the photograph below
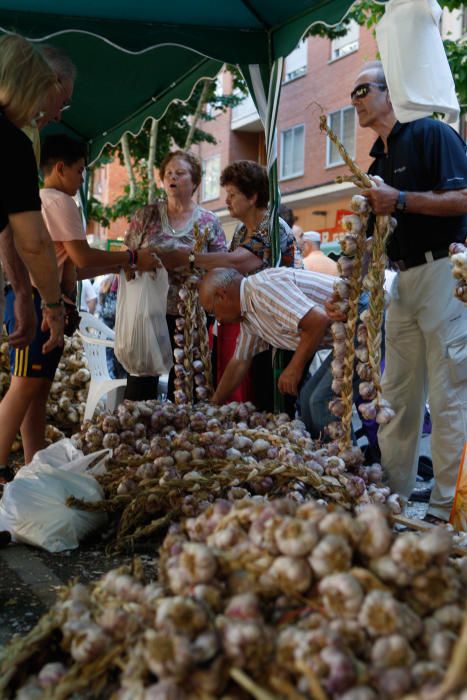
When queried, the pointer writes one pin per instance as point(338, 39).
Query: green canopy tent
point(135, 57)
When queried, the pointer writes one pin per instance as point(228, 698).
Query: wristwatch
point(401, 203)
point(191, 260)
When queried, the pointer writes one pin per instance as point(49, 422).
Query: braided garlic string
point(369, 333)
point(458, 255)
point(372, 319)
point(195, 375)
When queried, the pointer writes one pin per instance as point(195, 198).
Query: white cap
point(312, 236)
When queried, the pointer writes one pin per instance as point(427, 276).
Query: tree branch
point(128, 165)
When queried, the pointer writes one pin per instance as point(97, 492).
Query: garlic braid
point(369, 352)
point(355, 286)
point(458, 255)
point(374, 283)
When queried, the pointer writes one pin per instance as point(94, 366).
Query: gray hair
point(59, 61)
point(219, 278)
point(378, 67)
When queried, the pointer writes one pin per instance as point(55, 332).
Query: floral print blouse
point(259, 243)
point(150, 227)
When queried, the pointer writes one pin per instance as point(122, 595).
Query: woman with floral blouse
point(168, 224)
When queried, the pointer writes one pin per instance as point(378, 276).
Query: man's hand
point(53, 320)
point(25, 322)
point(289, 380)
point(382, 198)
point(148, 260)
point(173, 259)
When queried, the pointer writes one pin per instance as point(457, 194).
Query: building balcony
point(245, 117)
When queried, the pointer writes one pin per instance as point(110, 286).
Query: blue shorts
point(30, 362)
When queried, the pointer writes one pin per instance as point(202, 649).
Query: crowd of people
point(254, 308)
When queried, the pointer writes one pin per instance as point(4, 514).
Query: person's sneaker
point(434, 520)
point(425, 468)
point(5, 538)
point(421, 495)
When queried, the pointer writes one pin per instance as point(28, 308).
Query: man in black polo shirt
point(424, 167)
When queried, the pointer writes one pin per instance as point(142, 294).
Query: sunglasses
point(363, 89)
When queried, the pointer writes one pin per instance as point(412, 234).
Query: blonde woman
point(25, 84)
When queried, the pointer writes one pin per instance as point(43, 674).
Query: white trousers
point(426, 355)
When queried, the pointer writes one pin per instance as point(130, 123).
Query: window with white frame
point(296, 62)
point(346, 44)
point(292, 152)
point(342, 123)
point(211, 177)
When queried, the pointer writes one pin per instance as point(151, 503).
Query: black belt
point(421, 259)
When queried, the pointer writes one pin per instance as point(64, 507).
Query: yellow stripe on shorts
point(17, 356)
point(26, 362)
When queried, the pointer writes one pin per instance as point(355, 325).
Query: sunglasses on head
point(363, 89)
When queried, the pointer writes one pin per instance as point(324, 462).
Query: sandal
point(6, 474)
point(434, 520)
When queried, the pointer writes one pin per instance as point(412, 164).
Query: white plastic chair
point(96, 337)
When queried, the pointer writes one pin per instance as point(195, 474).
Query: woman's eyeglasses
point(363, 89)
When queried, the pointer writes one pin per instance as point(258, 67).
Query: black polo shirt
point(423, 155)
point(19, 184)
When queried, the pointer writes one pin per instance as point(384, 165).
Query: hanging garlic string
point(458, 255)
point(350, 266)
point(374, 284)
point(369, 336)
point(196, 377)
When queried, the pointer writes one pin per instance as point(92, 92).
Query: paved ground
point(29, 579)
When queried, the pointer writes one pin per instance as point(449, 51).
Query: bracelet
point(132, 257)
point(53, 304)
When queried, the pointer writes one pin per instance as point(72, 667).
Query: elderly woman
point(168, 224)
point(247, 194)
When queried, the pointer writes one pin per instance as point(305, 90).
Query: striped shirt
point(273, 302)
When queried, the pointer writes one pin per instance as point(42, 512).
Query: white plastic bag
point(142, 342)
point(417, 71)
point(33, 508)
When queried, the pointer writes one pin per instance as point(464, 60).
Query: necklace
point(167, 226)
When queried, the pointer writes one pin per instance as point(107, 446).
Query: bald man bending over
point(282, 307)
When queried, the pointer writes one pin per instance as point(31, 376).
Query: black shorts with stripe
point(31, 362)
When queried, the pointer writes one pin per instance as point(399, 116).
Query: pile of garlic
point(170, 460)
point(302, 601)
point(458, 253)
point(68, 394)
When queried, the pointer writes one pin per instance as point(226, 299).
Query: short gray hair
point(219, 278)
point(59, 61)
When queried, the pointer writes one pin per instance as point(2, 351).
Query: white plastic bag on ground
point(33, 508)
point(142, 343)
point(414, 60)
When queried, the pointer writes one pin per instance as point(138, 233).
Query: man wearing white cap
point(313, 257)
